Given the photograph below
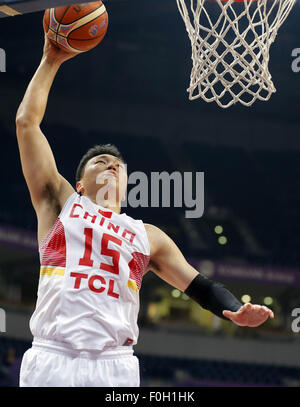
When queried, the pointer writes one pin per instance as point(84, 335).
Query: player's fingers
point(269, 311)
point(246, 307)
point(227, 313)
point(260, 310)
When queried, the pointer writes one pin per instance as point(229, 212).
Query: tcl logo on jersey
point(97, 283)
point(92, 283)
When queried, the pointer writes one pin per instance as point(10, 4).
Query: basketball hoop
point(230, 48)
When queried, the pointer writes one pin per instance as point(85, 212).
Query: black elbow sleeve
point(212, 296)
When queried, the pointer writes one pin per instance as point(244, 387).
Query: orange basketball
point(76, 28)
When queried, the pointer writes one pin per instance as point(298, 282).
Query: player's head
point(102, 172)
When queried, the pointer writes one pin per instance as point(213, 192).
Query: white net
point(230, 48)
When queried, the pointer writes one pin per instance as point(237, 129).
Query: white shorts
point(52, 364)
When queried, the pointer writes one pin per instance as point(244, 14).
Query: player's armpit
point(167, 261)
point(39, 167)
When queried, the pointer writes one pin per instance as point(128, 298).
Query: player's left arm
point(167, 262)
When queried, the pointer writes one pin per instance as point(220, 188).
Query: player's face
point(103, 174)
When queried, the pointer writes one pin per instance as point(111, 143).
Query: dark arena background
point(131, 91)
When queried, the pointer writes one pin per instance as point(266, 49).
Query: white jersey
point(92, 265)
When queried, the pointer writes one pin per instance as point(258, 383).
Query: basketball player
point(93, 259)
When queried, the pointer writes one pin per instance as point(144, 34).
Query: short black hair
point(98, 149)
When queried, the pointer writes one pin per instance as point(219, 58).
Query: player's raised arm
point(38, 163)
point(167, 261)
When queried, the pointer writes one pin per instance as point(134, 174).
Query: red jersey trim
point(53, 249)
point(137, 267)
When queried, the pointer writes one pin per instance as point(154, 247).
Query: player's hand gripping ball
point(76, 28)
